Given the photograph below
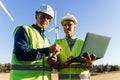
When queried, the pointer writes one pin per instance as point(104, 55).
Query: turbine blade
point(1, 4)
point(51, 29)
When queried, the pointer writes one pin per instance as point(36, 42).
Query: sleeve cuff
point(44, 51)
point(38, 56)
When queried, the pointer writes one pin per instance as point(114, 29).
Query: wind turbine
point(6, 11)
point(55, 28)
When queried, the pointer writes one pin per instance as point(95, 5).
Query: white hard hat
point(47, 9)
point(69, 17)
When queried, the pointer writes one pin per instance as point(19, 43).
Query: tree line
point(5, 68)
point(105, 68)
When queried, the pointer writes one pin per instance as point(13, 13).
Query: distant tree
point(100, 68)
point(5, 67)
point(115, 68)
point(106, 68)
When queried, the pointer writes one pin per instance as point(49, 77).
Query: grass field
point(103, 76)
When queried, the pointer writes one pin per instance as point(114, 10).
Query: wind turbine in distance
point(6, 11)
point(55, 28)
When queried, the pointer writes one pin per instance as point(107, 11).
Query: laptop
point(95, 44)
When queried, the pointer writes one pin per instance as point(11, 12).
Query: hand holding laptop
point(87, 59)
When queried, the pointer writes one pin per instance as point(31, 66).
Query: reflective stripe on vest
point(74, 76)
point(30, 67)
point(75, 66)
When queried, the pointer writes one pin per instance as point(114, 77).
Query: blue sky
point(97, 16)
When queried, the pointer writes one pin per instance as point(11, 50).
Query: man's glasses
point(68, 25)
point(42, 15)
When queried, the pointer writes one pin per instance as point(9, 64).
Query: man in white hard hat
point(71, 47)
point(32, 48)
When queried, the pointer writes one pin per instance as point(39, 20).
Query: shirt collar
point(73, 37)
point(38, 28)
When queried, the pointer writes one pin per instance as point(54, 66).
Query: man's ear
point(36, 13)
point(75, 27)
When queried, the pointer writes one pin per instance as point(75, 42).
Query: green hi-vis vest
point(31, 70)
point(74, 71)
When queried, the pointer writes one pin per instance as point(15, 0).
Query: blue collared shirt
point(71, 41)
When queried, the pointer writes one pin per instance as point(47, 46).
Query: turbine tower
point(6, 11)
point(55, 28)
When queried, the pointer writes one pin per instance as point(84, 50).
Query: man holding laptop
point(71, 47)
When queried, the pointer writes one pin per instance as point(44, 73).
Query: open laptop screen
point(95, 44)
